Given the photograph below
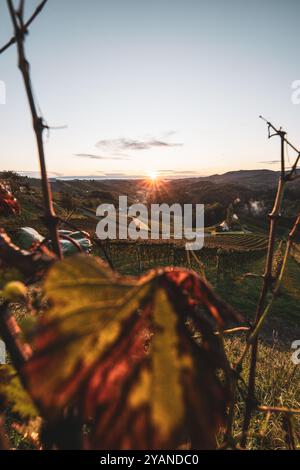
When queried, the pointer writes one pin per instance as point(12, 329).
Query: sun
point(153, 182)
point(153, 175)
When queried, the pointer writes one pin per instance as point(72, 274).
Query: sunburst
point(153, 175)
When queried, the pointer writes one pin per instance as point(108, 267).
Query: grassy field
point(277, 384)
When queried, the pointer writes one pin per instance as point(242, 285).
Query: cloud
point(101, 157)
point(178, 173)
point(270, 162)
point(113, 149)
point(121, 175)
point(187, 172)
point(135, 144)
point(37, 174)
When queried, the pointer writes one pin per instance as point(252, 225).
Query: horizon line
point(184, 175)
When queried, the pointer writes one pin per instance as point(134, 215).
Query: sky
point(167, 86)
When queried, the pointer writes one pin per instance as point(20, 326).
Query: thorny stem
point(38, 126)
point(259, 324)
point(253, 337)
point(267, 285)
point(262, 311)
point(257, 327)
point(26, 25)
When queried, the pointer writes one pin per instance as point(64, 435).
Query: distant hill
point(252, 179)
point(248, 178)
point(251, 192)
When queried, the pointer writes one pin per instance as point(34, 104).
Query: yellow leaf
point(120, 351)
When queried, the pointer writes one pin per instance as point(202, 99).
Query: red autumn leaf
point(8, 203)
point(121, 352)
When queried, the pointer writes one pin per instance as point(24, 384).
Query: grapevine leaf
point(120, 351)
point(8, 203)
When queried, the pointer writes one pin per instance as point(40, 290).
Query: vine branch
point(262, 309)
point(25, 27)
point(38, 123)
